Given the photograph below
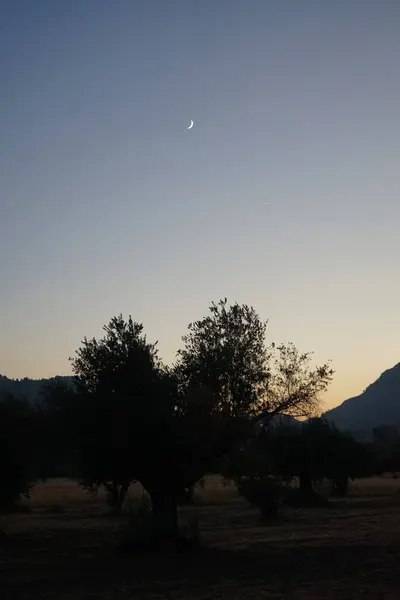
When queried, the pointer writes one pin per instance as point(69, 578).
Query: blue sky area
point(284, 195)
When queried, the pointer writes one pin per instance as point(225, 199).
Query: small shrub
point(139, 531)
point(265, 493)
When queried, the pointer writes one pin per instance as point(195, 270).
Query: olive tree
point(165, 427)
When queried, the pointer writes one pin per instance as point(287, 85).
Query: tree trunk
point(116, 494)
point(306, 486)
point(305, 494)
point(165, 518)
point(121, 498)
point(340, 486)
point(187, 496)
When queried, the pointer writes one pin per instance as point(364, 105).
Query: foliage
point(121, 386)
point(140, 525)
point(28, 389)
point(386, 449)
point(347, 458)
point(127, 416)
point(55, 424)
point(139, 420)
point(265, 493)
point(135, 419)
point(295, 388)
point(225, 353)
point(312, 450)
point(17, 455)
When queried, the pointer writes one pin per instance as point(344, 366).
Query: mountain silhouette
point(28, 388)
point(378, 405)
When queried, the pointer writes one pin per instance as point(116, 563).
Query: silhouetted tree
point(139, 420)
point(226, 353)
point(347, 459)
point(314, 450)
point(17, 450)
point(386, 449)
point(123, 395)
point(295, 387)
point(56, 444)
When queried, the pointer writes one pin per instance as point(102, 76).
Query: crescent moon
point(191, 125)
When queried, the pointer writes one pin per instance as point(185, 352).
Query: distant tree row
point(313, 450)
point(26, 388)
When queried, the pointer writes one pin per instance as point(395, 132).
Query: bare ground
point(65, 549)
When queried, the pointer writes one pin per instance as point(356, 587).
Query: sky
point(284, 195)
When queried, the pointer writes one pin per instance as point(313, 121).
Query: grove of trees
point(131, 418)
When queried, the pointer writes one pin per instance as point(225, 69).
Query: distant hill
point(27, 388)
point(378, 405)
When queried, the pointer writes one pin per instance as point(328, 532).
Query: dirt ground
point(65, 549)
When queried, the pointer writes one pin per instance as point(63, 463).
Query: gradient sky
point(108, 205)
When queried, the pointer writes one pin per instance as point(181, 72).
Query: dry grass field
point(65, 549)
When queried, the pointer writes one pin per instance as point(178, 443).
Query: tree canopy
point(18, 460)
point(133, 418)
